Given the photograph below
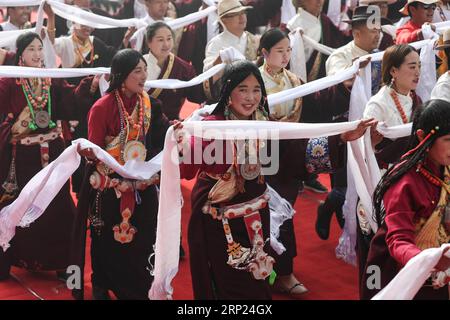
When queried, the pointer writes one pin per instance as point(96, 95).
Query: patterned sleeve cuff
point(318, 158)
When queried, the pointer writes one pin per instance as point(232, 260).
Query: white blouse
point(382, 107)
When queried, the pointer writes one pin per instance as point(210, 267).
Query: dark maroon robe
point(193, 44)
point(185, 7)
point(9, 59)
point(114, 36)
point(45, 244)
point(211, 276)
point(121, 268)
point(173, 99)
point(262, 13)
point(386, 42)
point(406, 201)
point(329, 105)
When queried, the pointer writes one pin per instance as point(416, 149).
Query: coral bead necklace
point(394, 96)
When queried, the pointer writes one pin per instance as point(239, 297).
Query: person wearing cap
point(442, 12)
point(442, 88)
point(318, 26)
point(366, 40)
point(421, 13)
point(387, 30)
point(233, 18)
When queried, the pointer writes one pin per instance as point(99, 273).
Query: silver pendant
point(42, 119)
point(134, 150)
point(250, 171)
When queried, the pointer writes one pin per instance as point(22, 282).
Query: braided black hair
point(434, 119)
point(123, 63)
point(234, 74)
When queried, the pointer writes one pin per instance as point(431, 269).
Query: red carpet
point(316, 265)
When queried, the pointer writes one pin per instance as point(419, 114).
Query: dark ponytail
point(268, 40)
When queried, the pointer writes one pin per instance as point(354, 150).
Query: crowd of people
point(229, 230)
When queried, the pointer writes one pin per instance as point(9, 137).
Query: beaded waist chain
point(254, 259)
point(102, 182)
point(128, 192)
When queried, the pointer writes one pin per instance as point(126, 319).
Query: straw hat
point(226, 7)
point(404, 10)
point(446, 40)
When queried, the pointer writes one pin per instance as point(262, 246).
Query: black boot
point(100, 293)
point(340, 218)
point(323, 221)
point(62, 275)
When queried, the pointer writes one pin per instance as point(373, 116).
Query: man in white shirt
point(365, 40)
point(18, 18)
point(156, 9)
point(232, 16)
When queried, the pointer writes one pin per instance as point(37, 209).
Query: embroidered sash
point(314, 72)
point(435, 231)
point(252, 47)
point(155, 94)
